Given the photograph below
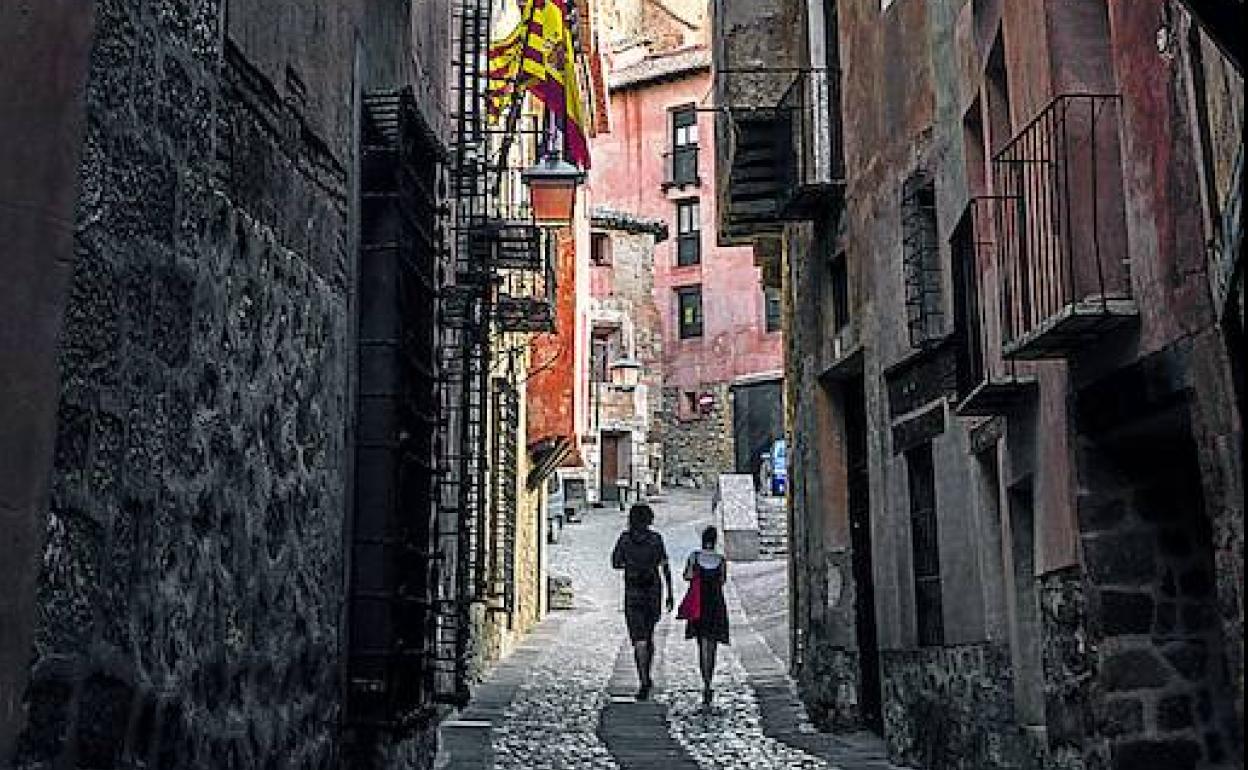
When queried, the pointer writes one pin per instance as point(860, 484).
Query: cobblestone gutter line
point(783, 715)
point(465, 742)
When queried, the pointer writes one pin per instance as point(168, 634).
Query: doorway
point(858, 489)
point(1024, 605)
point(615, 465)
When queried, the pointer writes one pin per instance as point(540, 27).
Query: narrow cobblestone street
point(564, 700)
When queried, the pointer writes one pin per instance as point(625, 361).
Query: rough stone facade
point(192, 585)
point(622, 300)
point(697, 446)
point(193, 567)
point(951, 708)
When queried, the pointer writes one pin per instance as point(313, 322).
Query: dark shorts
point(642, 614)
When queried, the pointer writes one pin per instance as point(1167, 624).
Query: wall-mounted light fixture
point(552, 185)
point(625, 374)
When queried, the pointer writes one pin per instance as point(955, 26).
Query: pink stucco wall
point(628, 175)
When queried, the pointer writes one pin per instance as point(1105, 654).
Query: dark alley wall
point(41, 130)
point(191, 587)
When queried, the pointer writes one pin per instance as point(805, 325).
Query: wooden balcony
point(814, 171)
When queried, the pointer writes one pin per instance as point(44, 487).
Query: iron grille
point(463, 356)
point(393, 585)
point(921, 260)
point(1062, 245)
point(504, 502)
point(525, 299)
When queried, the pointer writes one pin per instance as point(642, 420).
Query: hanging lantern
point(626, 373)
point(552, 191)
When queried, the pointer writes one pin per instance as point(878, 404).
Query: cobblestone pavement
point(563, 701)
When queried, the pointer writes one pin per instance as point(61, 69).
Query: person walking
point(640, 552)
point(710, 626)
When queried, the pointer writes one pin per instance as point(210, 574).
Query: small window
point(683, 164)
point(599, 249)
point(840, 292)
point(772, 307)
point(689, 311)
point(926, 546)
point(607, 346)
point(687, 409)
point(684, 127)
point(688, 232)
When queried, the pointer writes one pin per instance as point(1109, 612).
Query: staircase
point(773, 528)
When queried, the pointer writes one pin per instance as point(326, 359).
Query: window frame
point(600, 249)
point(923, 268)
point(773, 298)
point(683, 145)
point(688, 240)
point(696, 328)
point(838, 280)
point(925, 545)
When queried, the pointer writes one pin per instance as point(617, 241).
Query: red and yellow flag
point(538, 55)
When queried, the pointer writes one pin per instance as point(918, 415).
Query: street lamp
point(552, 185)
point(625, 374)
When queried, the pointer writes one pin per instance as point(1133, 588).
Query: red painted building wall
point(629, 174)
point(551, 391)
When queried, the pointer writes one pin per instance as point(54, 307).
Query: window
point(771, 309)
point(599, 249)
point(926, 546)
point(966, 319)
point(687, 405)
point(685, 127)
point(921, 260)
point(606, 346)
point(688, 232)
point(689, 311)
point(684, 156)
point(840, 292)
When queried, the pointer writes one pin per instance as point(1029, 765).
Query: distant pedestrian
point(643, 557)
point(706, 571)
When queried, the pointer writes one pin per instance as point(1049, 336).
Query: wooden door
point(610, 467)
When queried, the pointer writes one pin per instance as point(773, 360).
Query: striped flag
point(538, 55)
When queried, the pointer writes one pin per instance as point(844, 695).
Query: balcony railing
point(524, 300)
point(1062, 234)
point(680, 167)
point(987, 383)
point(815, 172)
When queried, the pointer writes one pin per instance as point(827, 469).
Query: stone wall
point(1069, 671)
point(828, 683)
point(1162, 687)
point(951, 708)
point(698, 447)
point(192, 584)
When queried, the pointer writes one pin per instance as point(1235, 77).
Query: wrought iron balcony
point(987, 383)
point(680, 167)
point(814, 172)
point(507, 244)
point(524, 300)
point(1062, 235)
